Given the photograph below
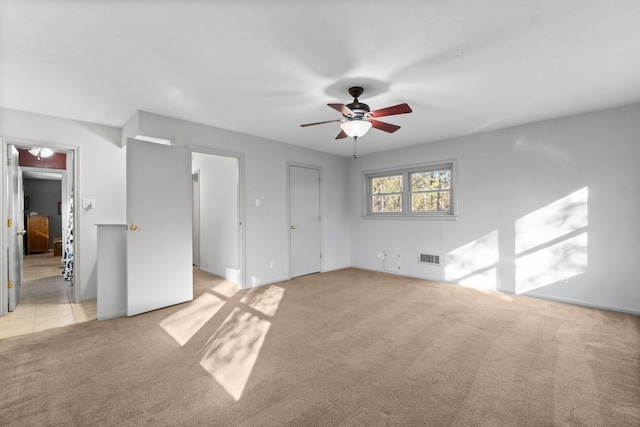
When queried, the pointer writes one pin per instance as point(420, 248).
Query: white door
point(16, 230)
point(159, 248)
point(304, 209)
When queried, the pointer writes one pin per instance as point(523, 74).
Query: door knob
point(21, 232)
point(133, 227)
point(293, 227)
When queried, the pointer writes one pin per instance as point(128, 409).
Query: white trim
point(577, 302)
point(196, 224)
point(4, 293)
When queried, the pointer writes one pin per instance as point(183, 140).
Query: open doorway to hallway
point(40, 218)
point(217, 225)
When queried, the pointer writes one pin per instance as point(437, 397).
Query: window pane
point(388, 203)
point(431, 180)
point(386, 184)
point(433, 201)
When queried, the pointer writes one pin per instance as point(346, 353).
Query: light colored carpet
point(350, 347)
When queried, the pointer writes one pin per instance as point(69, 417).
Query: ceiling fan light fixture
point(356, 128)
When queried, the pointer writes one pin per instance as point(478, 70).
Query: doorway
point(304, 213)
point(217, 212)
point(45, 195)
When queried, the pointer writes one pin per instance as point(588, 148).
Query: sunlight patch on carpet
point(267, 302)
point(184, 324)
point(232, 351)
point(225, 288)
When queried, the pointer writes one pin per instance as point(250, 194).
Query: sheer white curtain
point(67, 259)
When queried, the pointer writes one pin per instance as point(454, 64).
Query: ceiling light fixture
point(356, 128)
point(40, 152)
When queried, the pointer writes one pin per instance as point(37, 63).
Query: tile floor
point(45, 299)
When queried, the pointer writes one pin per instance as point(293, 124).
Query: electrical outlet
point(272, 264)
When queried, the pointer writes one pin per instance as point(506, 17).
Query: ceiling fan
point(358, 118)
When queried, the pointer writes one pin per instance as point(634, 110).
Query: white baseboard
point(112, 315)
point(582, 303)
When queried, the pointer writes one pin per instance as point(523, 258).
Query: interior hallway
point(45, 299)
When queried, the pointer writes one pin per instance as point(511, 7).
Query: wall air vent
point(429, 259)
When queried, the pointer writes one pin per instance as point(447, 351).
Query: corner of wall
point(130, 129)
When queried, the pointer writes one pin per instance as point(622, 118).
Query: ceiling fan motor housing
point(356, 106)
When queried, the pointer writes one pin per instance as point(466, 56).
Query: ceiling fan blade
point(320, 123)
point(390, 111)
point(343, 109)
point(387, 127)
point(341, 135)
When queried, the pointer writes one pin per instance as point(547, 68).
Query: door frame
point(241, 203)
point(75, 176)
point(195, 188)
point(319, 169)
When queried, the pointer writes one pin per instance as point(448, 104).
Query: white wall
point(549, 209)
point(574, 178)
point(219, 185)
point(267, 226)
point(101, 176)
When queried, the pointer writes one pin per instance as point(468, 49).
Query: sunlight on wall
point(552, 264)
point(184, 324)
point(487, 280)
point(232, 351)
point(552, 221)
point(473, 265)
point(551, 243)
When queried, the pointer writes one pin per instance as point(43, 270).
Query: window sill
point(413, 217)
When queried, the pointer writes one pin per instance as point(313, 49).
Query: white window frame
point(406, 172)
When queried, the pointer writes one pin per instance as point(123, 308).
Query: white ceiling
point(265, 67)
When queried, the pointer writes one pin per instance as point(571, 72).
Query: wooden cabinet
point(37, 234)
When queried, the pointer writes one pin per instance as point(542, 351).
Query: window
point(420, 191)
point(386, 194)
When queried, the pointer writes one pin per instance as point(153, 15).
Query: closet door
point(304, 210)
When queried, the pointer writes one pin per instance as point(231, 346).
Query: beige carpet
point(349, 347)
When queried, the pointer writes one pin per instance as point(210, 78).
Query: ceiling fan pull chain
point(355, 139)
